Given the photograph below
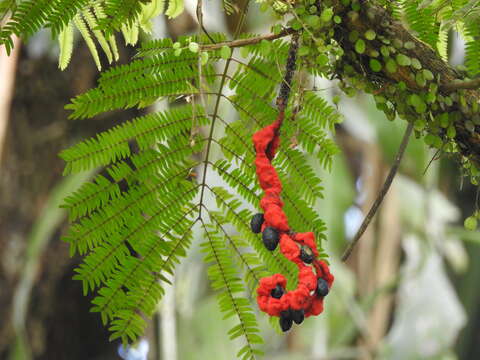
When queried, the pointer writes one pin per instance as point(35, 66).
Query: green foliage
point(432, 21)
point(422, 21)
point(94, 19)
point(470, 223)
point(134, 221)
point(65, 40)
point(27, 18)
point(223, 276)
point(175, 8)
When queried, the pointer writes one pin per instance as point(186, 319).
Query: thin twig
point(216, 108)
point(434, 157)
point(249, 41)
point(200, 19)
point(477, 194)
point(194, 130)
point(457, 85)
point(382, 193)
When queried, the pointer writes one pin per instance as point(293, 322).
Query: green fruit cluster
point(336, 44)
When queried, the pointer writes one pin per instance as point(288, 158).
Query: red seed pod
point(314, 277)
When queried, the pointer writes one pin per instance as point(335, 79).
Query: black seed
point(298, 316)
point(285, 321)
point(306, 255)
point(256, 223)
point(270, 238)
point(277, 292)
point(322, 287)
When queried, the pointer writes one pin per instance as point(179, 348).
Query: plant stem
point(381, 195)
point(200, 19)
point(249, 41)
point(216, 109)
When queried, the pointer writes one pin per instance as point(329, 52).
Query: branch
point(216, 108)
point(249, 41)
point(457, 85)
point(381, 194)
point(374, 16)
point(200, 19)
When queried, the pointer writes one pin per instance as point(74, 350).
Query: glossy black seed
point(256, 223)
point(277, 292)
point(270, 238)
point(306, 255)
point(298, 316)
point(285, 321)
point(322, 287)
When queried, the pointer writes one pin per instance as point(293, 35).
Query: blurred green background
point(408, 292)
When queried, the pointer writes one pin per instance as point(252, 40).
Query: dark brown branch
point(381, 194)
point(457, 85)
point(249, 41)
point(374, 16)
point(284, 93)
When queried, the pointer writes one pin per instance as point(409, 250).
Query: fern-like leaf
point(223, 277)
point(65, 41)
point(113, 145)
point(422, 21)
point(134, 221)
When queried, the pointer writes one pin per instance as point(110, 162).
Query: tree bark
point(58, 324)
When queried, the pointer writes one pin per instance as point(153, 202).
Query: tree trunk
point(57, 322)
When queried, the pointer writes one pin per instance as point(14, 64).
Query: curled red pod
point(314, 277)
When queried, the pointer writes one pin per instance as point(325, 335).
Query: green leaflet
point(65, 40)
point(149, 12)
point(63, 12)
point(222, 274)
point(100, 14)
point(422, 21)
point(130, 34)
point(100, 17)
point(139, 91)
point(442, 43)
point(82, 27)
point(120, 13)
point(175, 8)
point(432, 21)
point(147, 130)
point(95, 194)
point(29, 17)
point(472, 58)
point(102, 41)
